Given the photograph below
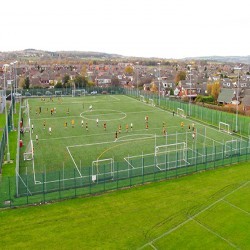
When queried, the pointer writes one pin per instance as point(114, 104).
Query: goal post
point(181, 112)
point(171, 155)
point(78, 92)
point(29, 152)
point(142, 98)
point(27, 127)
point(225, 127)
point(102, 169)
point(151, 102)
point(231, 147)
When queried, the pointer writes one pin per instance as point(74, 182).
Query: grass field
point(208, 210)
point(75, 148)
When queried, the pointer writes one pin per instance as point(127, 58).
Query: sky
point(140, 28)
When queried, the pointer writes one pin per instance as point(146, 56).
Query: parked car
point(48, 93)
point(27, 94)
point(93, 93)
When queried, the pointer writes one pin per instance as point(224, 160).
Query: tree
point(66, 80)
point(129, 70)
point(83, 71)
point(181, 75)
point(213, 89)
point(80, 81)
point(58, 85)
point(26, 83)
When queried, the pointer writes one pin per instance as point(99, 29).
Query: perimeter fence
point(196, 112)
point(45, 186)
point(49, 186)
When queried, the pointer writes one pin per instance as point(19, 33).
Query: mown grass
point(130, 218)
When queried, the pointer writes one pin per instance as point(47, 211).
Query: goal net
point(151, 102)
point(102, 169)
point(27, 127)
point(78, 92)
point(231, 147)
point(225, 127)
point(142, 98)
point(171, 155)
point(181, 112)
point(29, 152)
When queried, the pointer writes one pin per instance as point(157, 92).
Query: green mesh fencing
point(200, 113)
point(204, 154)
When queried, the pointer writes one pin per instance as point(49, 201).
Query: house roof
point(226, 95)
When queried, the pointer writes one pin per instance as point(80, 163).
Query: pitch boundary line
point(216, 234)
point(74, 162)
point(194, 216)
point(232, 205)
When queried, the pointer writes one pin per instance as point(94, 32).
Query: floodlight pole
point(237, 98)
point(12, 96)
point(5, 66)
point(190, 74)
point(137, 89)
point(15, 83)
point(159, 83)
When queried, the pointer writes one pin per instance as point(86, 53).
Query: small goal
point(151, 102)
point(181, 112)
point(102, 170)
point(231, 148)
point(225, 127)
point(29, 152)
point(142, 98)
point(171, 155)
point(78, 92)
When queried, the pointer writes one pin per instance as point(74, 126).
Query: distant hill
point(42, 54)
point(232, 59)
point(29, 53)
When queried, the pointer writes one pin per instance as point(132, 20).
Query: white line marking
point(153, 246)
point(74, 162)
point(211, 231)
point(232, 205)
point(194, 216)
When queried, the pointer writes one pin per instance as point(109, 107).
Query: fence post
point(117, 177)
point(43, 189)
point(104, 179)
point(27, 190)
point(75, 180)
point(214, 156)
point(90, 181)
point(59, 177)
point(142, 170)
point(9, 191)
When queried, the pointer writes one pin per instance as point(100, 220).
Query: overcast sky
point(159, 28)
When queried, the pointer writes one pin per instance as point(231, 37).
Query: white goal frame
point(78, 92)
point(178, 150)
point(142, 98)
point(151, 102)
point(231, 147)
point(225, 127)
point(28, 155)
point(181, 112)
point(98, 171)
